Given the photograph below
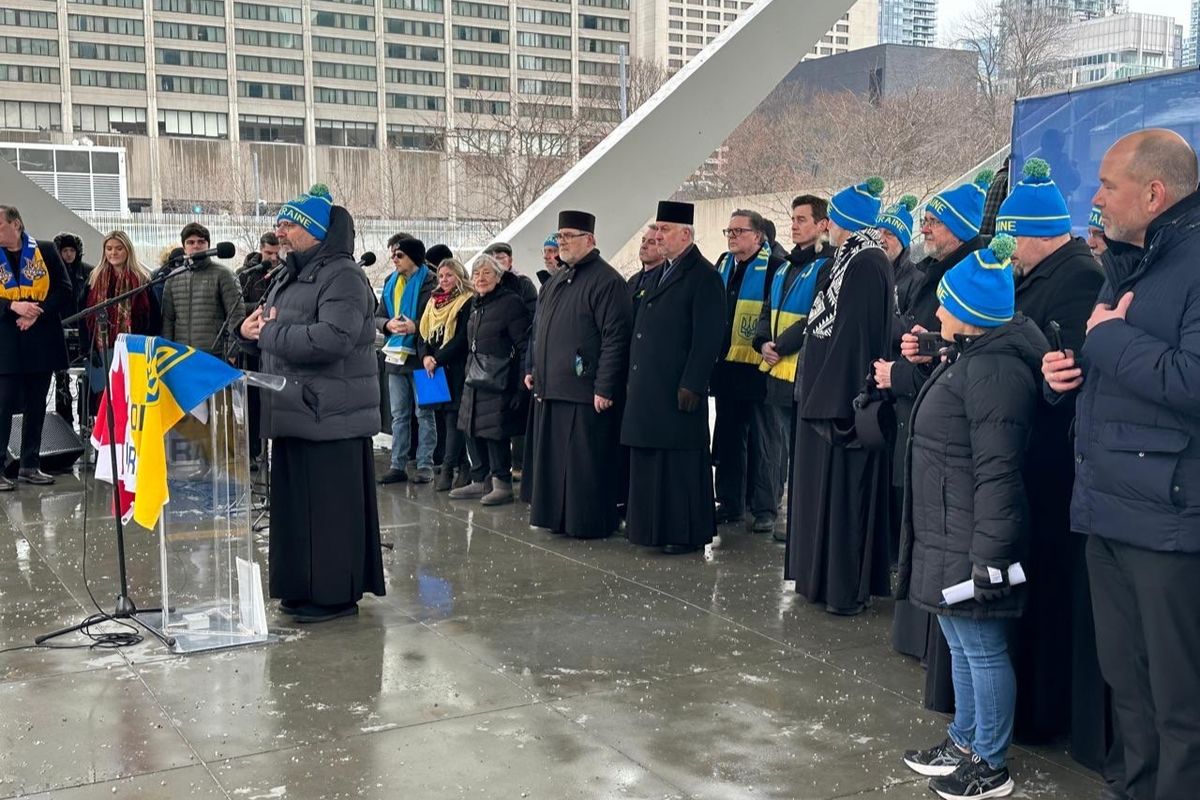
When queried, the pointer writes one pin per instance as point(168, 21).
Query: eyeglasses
point(569, 236)
point(732, 232)
point(929, 221)
point(283, 225)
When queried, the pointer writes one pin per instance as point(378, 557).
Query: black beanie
point(438, 253)
point(413, 248)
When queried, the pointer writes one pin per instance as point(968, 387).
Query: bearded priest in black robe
point(580, 356)
point(678, 328)
point(838, 518)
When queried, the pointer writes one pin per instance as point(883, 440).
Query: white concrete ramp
point(654, 151)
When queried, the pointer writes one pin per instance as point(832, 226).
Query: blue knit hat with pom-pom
point(857, 207)
point(898, 219)
point(310, 211)
point(961, 209)
point(979, 289)
point(1036, 206)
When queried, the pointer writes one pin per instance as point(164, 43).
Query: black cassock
point(580, 349)
point(838, 517)
point(677, 335)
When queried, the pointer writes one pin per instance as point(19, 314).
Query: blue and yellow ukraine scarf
point(789, 308)
point(749, 305)
point(403, 295)
point(32, 279)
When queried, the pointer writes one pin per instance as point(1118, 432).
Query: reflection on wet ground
point(503, 663)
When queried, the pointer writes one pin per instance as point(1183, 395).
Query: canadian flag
point(116, 397)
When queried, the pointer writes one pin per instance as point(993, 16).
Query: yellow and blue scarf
point(403, 294)
point(32, 278)
point(789, 308)
point(748, 307)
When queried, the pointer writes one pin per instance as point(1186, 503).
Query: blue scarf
point(402, 345)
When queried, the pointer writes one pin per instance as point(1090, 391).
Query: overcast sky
point(950, 11)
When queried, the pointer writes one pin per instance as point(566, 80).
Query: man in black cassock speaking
point(580, 355)
point(838, 514)
point(678, 328)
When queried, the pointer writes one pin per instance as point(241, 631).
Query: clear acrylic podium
point(212, 592)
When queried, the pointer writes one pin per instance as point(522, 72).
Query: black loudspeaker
point(61, 446)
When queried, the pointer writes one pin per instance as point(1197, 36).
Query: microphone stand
point(124, 608)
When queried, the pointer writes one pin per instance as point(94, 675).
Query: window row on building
point(97, 119)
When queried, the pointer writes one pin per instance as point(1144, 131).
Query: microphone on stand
point(222, 250)
point(366, 259)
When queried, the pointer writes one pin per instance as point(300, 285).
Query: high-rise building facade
point(1118, 46)
point(911, 22)
point(1191, 37)
point(673, 32)
point(303, 88)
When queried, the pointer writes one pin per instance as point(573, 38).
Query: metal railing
point(152, 233)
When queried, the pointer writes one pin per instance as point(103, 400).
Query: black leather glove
point(688, 400)
point(987, 591)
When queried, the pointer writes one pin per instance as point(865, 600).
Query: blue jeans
point(403, 399)
point(985, 687)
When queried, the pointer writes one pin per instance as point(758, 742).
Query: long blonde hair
point(460, 274)
point(131, 259)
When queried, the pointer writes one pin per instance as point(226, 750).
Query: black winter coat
point(451, 355)
point(581, 344)
point(676, 341)
point(522, 286)
point(412, 363)
point(323, 341)
point(42, 348)
point(916, 304)
point(1137, 430)
point(791, 339)
point(964, 495)
point(498, 326)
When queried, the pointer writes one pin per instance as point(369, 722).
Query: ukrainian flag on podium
point(154, 383)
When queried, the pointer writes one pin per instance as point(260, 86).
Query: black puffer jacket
point(323, 341)
point(498, 326)
point(964, 497)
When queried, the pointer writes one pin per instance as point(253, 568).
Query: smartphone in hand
point(930, 344)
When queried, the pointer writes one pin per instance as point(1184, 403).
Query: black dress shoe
point(780, 536)
point(290, 606)
point(310, 612)
point(7, 485)
point(725, 515)
point(679, 549)
point(393, 476)
point(35, 476)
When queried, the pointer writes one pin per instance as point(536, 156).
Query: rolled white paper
point(966, 590)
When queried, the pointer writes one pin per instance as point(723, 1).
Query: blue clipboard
point(431, 390)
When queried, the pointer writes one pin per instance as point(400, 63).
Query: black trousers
point(750, 452)
point(1147, 608)
point(490, 458)
point(24, 394)
point(455, 441)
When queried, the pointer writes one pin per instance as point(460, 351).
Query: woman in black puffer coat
point(965, 513)
point(499, 327)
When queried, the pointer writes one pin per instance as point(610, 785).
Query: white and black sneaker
point(941, 759)
point(974, 779)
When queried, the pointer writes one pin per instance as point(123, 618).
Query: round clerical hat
point(678, 213)
point(577, 220)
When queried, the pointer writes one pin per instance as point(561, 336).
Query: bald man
point(1137, 457)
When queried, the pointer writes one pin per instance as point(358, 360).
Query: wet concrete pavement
point(504, 662)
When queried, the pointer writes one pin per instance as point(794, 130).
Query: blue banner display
point(1072, 130)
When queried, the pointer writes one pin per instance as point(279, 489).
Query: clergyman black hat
point(678, 213)
point(577, 220)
